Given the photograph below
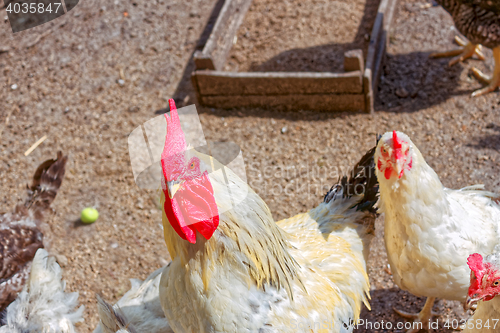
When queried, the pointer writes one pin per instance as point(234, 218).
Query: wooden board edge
point(313, 102)
point(220, 27)
point(213, 83)
point(293, 75)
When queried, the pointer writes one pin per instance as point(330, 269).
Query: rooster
point(430, 230)
point(42, 305)
point(479, 21)
point(234, 269)
point(20, 232)
point(483, 291)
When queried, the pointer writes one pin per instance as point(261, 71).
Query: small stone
point(14, 86)
point(66, 110)
point(61, 259)
point(121, 82)
point(114, 245)
point(402, 92)
point(284, 129)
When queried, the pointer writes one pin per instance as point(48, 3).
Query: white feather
point(140, 307)
point(43, 306)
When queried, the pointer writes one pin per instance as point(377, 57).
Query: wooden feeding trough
point(352, 90)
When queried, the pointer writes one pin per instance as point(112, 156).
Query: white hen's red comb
point(396, 141)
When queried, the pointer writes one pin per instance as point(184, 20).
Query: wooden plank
point(202, 61)
point(378, 26)
point(353, 60)
point(277, 83)
point(376, 50)
point(218, 45)
point(388, 11)
point(368, 90)
point(194, 82)
point(377, 66)
point(329, 102)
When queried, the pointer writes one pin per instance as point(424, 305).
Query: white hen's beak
point(399, 167)
point(173, 186)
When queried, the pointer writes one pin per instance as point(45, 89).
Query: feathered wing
point(335, 236)
point(20, 234)
point(43, 305)
point(139, 310)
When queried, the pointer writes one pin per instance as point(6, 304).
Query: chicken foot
point(493, 81)
point(466, 51)
point(424, 316)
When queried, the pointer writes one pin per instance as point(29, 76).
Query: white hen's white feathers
point(430, 230)
point(139, 310)
point(42, 305)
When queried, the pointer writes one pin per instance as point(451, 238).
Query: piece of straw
point(36, 144)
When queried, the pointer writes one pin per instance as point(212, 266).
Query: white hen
point(42, 305)
point(430, 230)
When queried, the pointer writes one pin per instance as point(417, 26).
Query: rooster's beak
point(173, 186)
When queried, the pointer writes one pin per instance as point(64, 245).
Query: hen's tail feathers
point(112, 320)
point(361, 180)
point(43, 306)
point(43, 190)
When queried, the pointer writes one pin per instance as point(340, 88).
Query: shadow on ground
point(383, 318)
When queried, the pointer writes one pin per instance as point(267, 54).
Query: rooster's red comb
point(175, 141)
point(396, 141)
point(475, 262)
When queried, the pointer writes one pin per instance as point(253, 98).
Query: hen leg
point(494, 81)
point(467, 50)
point(422, 319)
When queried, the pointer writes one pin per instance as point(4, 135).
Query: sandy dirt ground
point(66, 74)
point(301, 36)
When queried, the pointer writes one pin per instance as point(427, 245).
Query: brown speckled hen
point(479, 21)
point(20, 234)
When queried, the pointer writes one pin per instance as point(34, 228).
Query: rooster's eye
point(496, 283)
point(191, 165)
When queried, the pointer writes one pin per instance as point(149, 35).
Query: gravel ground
point(302, 36)
point(67, 74)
